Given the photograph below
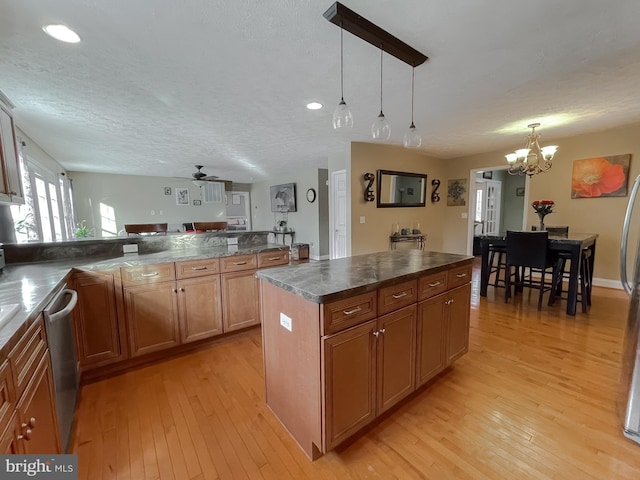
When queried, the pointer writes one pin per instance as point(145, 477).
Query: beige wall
point(594, 215)
point(373, 235)
point(139, 199)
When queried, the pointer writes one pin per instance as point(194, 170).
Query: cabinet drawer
point(236, 263)
point(26, 355)
point(7, 396)
point(160, 272)
point(432, 285)
point(348, 312)
point(197, 268)
point(459, 276)
point(271, 259)
point(397, 296)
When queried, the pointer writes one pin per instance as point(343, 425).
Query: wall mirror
point(401, 189)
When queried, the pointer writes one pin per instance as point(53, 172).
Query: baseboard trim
point(607, 283)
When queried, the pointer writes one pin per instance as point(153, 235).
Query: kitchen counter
point(345, 340)
point(330, 280)
point(32, 285)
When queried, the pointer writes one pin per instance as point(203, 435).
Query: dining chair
point(148, 228)
point(528, 250)
point(497, 265)
point(560, 274)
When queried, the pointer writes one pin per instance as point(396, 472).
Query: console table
point(284, 234)
point(418, 238)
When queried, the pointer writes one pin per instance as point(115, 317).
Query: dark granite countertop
point(330, 280)
point(33, 285)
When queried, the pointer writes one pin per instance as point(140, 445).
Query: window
point(108, 217)
point(47, 214)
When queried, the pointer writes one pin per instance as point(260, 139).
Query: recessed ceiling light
point(62, 33)
point(314, 106)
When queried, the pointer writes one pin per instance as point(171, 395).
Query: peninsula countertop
point(330, 280)
point(33, 285)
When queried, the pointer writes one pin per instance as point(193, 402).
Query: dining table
point(573, 243)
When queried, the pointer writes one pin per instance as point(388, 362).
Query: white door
point(492, 198)
point(478, 219)
point(339, 230)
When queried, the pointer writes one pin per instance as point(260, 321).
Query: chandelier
point(532, 159)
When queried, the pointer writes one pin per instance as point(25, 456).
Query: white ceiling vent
point(213, 192)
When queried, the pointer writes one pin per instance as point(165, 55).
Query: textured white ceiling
point(158, 86)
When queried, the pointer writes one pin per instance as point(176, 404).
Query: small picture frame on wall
point(520, 192)
point(167, 190)
point(197, 203)
point(488, 175)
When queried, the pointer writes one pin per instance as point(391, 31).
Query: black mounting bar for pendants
point(359, 26)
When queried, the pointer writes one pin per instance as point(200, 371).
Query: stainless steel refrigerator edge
point(629, 401)
point(64, 367)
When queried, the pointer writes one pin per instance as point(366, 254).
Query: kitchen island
point(345, 340)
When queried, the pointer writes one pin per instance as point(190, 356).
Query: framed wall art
point(600, 176)
point(456, 192)
point(283, 198)
point(182, 196)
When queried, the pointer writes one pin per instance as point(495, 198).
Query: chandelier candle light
point(543, 208)
point(532, 159)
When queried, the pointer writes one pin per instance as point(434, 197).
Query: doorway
point(339, 214)
point(495, 209)
point(239, 210)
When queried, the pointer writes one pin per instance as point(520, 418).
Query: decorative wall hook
point(368, 191)
point(435, 196)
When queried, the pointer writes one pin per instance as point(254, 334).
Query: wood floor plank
point(534, 398)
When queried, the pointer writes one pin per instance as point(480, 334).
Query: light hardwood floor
point(533, 399)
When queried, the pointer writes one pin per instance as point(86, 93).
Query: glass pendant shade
point(342, 118)
point(381, 130)
point(412, 138)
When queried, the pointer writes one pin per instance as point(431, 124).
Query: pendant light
point(342, 118)
point(381, 130)
point(412, 138)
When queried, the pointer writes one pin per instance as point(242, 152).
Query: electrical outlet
point(362, 219)
point(285, 321)
point(232, 241)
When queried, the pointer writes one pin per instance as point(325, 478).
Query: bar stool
point(584, 278)
point(499, 267)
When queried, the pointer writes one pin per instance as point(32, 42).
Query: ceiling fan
point(200, 178)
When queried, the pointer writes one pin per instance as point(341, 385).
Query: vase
point(541, 224)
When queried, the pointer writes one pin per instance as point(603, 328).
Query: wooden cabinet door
point(396, 356)
point(37, 411)
point(10, 158)
point(350, 382)
point(99, 334)
point(200, 307)
point(458, 322)
point(9, 443)
point(431, 330)
point(240, 300)
point(152, 317)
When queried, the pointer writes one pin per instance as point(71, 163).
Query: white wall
point(33, 152)
point(306, 220)
point(138, 199)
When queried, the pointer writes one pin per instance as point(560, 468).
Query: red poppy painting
point(600, 177)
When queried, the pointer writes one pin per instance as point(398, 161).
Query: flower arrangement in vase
point(543, 208)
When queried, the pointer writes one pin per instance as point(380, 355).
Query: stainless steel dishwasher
point(64, 366)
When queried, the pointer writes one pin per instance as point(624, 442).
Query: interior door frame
point(472, 203)
point(333, 200)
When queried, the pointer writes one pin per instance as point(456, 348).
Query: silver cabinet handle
point(434, 284)
point(375, 334)
point(181, 289)
point(461, 275)
point(199, 268)
point(26, 436)
point(399, 295)
point(152, 274)
point(240, 263)
point(272, 259)
point(382, 330)
point(351, 312)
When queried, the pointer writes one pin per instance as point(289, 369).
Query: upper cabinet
point(10, 183)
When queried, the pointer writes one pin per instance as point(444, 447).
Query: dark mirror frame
point(423, 195)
